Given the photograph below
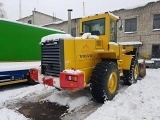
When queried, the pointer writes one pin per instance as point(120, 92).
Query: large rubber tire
point(104, 81)
point(131, 76)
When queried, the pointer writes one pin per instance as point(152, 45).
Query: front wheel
point(104, 81)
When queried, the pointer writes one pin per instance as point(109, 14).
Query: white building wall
point(64, 26)
point(145, 32)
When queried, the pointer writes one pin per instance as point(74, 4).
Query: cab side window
point(113, 31)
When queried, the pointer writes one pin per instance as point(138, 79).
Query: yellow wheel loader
point(95, 58)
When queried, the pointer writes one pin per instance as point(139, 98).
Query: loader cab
point(102, 25)
point(95, 27)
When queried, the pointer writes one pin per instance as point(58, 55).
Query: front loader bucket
point(142, 69)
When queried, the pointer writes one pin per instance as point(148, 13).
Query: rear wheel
point(104, 81)
point(131, 76)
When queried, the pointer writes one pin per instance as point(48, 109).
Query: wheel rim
point(136, 72)
point(112, 84)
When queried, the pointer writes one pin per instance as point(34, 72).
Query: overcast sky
point(60, 7)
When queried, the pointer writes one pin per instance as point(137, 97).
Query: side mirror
point(121, 26)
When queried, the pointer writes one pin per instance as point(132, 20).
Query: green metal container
point(20, 42)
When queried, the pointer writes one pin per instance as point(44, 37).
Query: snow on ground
point(70, 99)
point(65, 98)
point(138, 102)
point(8, 114)
point(16, 95)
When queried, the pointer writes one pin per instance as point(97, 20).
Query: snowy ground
point(140, 101)
point(137, 102)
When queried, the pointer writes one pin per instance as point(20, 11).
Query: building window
point(73, 32)
point(156, 51)
point(156, 21)
point(131, 25)
point(29, 21)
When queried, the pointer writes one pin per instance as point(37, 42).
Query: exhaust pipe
point(69, 20)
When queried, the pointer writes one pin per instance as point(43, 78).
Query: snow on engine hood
point(54, 37)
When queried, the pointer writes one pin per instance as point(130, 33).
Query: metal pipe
point(69, 20)
point(20, 10)
point(83, 9)
point(34, 15)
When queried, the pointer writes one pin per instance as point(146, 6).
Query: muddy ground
point(43, 111)
point(36, 110)
point(52, 111)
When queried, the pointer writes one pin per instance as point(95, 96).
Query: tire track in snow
point(82, 112)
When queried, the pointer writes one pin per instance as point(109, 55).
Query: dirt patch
point(82, 112)
point(43, 111)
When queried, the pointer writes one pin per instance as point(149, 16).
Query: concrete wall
point(64, 26)
point(145, 32)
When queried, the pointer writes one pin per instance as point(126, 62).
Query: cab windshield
point(95, 27)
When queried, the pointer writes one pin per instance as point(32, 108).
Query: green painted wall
point(20, 42)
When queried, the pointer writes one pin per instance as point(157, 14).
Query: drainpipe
point(34, 15)
point(69, 20)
